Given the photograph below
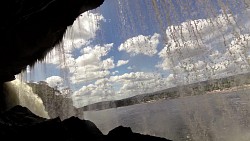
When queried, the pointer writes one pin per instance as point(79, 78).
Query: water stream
point(19, 93)
point(127, 48)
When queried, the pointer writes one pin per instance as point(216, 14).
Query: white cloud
point(122, 62)
point(129, 67)
point(77, 36)
point(87, 75)
point(92, 55)
point(54, 81)
point(115, 72)
point(108, 64)
point(101, 90)
point(129, 84)
point(134, 76)
point(195, 38)
point(140, 82)
point(83, 29)
point(146, 86)
point(146, 45)
point(90, 66)
point(195, 50)
point(205, 48)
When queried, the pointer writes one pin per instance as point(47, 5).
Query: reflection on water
point(222, 116)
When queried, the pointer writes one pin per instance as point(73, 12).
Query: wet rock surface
point(19, 123)
point(56, 104)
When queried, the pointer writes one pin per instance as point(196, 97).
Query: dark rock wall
point(31, 28)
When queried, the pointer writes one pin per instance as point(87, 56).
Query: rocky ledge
point(20, 123)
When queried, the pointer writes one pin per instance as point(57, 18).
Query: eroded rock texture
point(31, 28)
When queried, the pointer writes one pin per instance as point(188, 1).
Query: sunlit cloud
point(122, 62)
point(115, 72)
point(206, 48)
point(146, 45)
point(79, 35)
point(101, 90)
point(55, 81)
point(196, 38)
point(140, 82)
point(90, 66)
point(83, 30)
point(130, 84)
point(192, 51)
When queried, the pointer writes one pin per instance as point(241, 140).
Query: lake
point(216, 116)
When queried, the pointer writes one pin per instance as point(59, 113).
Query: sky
point(123, 48)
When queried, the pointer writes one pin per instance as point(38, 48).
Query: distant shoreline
point(221, 85)
point(232, 89)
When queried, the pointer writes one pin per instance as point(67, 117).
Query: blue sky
point(125, 48)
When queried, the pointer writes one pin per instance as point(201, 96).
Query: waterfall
point(19, 93)
point(182, 53)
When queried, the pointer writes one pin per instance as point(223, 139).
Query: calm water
point(221, 116)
